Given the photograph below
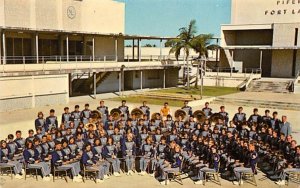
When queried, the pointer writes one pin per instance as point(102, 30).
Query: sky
point(165, 17)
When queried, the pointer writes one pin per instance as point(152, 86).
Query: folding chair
point(176, 176)
point(57, 171)
point(6, 168)
point(214, 174)
point(86, 172)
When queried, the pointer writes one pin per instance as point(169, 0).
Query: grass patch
point(140, 99)
point(207, 91)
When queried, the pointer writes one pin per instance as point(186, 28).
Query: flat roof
point(261, 47)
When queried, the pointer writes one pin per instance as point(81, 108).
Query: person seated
point(32, 160)
point(61, 161)
point(97, 151)
point(147, 154)
point(6, 160)
point(91, 162)
point(110, 154)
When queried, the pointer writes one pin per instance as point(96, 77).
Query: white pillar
point(164, 82)
point(67, 45)
point(93, 48)
point(0, 50)
point(4, 48)
point(37, 47)
point(116, 48)
point(141, 80)
point(160, 49)
point(120, 83)
point(133, 49)
point(95, 86)
point(231, 64)
point(260, 60)
point(140, 50)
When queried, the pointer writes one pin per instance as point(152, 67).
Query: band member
point(97, 151)
point(266, 119)
point(129, 153)
point(124, 109)
point(66, 117)
point(110, 154)
point(7, 160)
point(187, 109)
point(40, 122)
point(255, 117)
point(224, 114)
point(147, 154)
point(212, 166)
point(76, 116)
point(104, 111)
point(275, 122)
point(90, 162)
point(249, 164)
point(63, 162)
point(30, 135)
point(172, 164)
point(165, 111)
point(20, 141)
point(31, 157)
point(51, 121)
point(207, 110)
point(85, 114)
point(145, 109)
point(239, 118)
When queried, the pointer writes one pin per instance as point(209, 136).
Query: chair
point(6, 168)
point(89, 171)
point(33, 171)
point(57, 171)
point(248, 176)
point(176, 176)
point(214, 174)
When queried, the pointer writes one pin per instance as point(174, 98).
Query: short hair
point(30, 131)
point(267, 111)
point(18, 131)
point(66, 108)
point(52, 111)
point(166, 103)
point(206, 102)
point(86, 104)
point(10, 136)
point(123, 101)
point(76, 106)
point(275, 113)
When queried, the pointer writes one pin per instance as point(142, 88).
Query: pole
point(231, 64)
point(201, 89)
point(116, 48)
point(141, 80)
point(4, 48)
point(164, 85)
point(95, 84)
point(93, 48)
point(188, 74)
point(37, 47)
point(140, 50)
point(67, 45)
point(132, 49)
point(120, 83)
point(260, 60)
point(160, 49)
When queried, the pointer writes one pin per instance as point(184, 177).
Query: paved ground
point(24, 120)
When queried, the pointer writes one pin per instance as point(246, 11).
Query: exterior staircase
point(275, 85)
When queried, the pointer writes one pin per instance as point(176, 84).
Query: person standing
point(285, 127)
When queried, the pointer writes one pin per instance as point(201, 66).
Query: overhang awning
point(261, 47)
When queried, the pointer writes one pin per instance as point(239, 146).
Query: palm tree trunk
point(188, 73)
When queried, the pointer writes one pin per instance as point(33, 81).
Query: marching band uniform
point(76, 114)
point(51, 122)
point(66, 119)
point(147, 154)
point(146, 110)
point(104, 111)
point(85, 115)
point(110, 153)
point(129, 153)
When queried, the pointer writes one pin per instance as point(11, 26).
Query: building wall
point(284, 34)
point(33, 91)
point(282, 63)
point(105, 16)
point(265, 11)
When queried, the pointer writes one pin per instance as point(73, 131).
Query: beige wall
point(265, 11)
point(282, 63)
point(284, 34)
point(105, 16)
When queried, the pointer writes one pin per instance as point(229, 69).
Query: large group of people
point(157, 144)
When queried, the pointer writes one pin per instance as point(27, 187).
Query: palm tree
point(201, 44)
point(183, 41)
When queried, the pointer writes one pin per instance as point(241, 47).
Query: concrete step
point(258, 103)
point(269, 84)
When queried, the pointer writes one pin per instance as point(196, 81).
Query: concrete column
point(93, 49)
point(260, 60)
point(1, 50)
point(164, 81)
point(32, 92)
point(4, 48)
point(231, 64)
point(116, 48)
point(141, 80)
point(120, 83)
point(140, 51)
point(67, 46)
point(95, 84)
point(37, 47)
point(160, 49)
point(132, 49)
